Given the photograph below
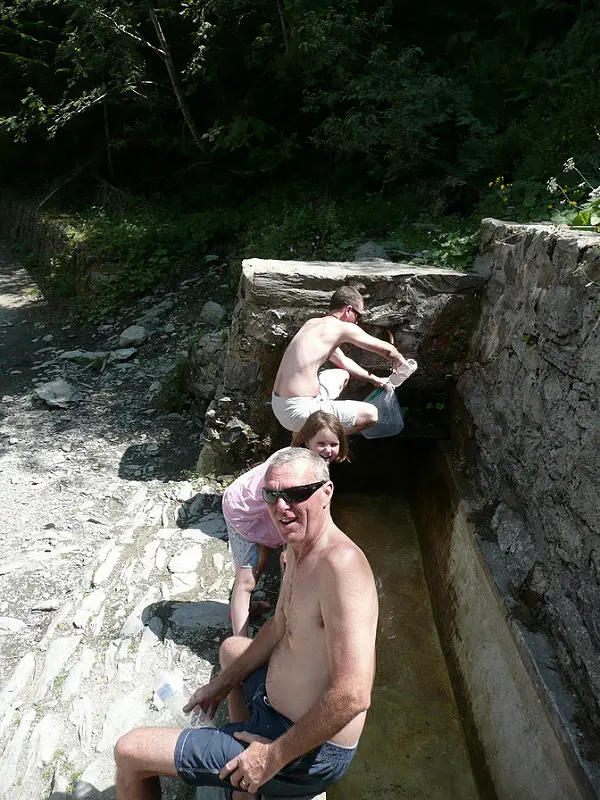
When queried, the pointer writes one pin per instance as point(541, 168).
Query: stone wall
point(429, 310)
point(533, 448)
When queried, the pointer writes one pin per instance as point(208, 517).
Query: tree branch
point(122, 29)
point(283, 28)
point(69, 178)
point(183, 106)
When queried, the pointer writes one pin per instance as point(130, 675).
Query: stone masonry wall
point(531, 390)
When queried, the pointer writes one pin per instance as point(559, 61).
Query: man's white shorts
point(292, 412)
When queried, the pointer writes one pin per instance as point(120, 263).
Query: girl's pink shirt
point(246, 511)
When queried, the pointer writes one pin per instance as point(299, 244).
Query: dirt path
point(112, 564)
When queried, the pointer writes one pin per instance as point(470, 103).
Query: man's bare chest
point(301, 605)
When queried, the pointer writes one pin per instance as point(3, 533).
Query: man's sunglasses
point(358, 313)
point(295, 494)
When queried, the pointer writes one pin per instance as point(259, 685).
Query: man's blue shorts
point(201, 753)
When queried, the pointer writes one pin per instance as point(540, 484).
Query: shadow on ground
point(173, 458)
point(195, 625)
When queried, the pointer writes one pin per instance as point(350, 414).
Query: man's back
point(329, 604)
point(309, 349)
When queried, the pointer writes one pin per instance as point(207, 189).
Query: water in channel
point(413, 746)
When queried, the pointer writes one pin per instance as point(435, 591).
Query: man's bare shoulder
point(342, 557)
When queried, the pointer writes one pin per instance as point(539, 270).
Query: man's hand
point(379, 382)
point(397, 361)
point(252, 768)
point(207, 698)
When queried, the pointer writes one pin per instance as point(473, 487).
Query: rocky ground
point(113, 559)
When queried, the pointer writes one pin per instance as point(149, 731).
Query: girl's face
point(325, 444)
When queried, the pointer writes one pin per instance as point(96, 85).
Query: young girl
point(251, 532)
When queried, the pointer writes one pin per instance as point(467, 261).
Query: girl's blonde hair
point(315, 423)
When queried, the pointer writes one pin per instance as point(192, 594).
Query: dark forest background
point(294, 128)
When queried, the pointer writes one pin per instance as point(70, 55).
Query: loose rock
point(133, 336)
point(58, 393)
point(212, 314)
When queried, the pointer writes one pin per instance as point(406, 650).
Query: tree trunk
point(174, 80)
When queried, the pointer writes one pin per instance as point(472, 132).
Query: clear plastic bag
point(390, 420)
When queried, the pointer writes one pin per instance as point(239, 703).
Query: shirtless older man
point(298, 693)
point(299, 387)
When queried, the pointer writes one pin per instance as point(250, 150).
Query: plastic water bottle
point(404, 371)
point(174, 694)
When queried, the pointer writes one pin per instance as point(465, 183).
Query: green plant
point(75, 775)
point(60, 680)
point(309, 227)
point(581, 202)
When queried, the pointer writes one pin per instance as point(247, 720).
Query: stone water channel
point(413, 745)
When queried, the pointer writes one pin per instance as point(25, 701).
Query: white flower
point(552, 185)
point(569, 165)
point(595, 193)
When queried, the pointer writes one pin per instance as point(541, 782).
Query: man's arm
point(352, 334)
point(343, 361)
point(258, 653)
point(349, 608)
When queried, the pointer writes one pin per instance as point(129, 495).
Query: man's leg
point(366, 416)
point(333, 382)
point(141, 756)
point(353, 414)
point(232, 648)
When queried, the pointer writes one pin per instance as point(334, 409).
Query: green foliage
point(455, 249)
point(121, 250)
point(328, 229)
point(579, 203)
point(292, 129)
point(314, 228)
point(521, 201)
point(253, 87)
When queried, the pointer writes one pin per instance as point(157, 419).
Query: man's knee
point(126, 748)
point(232, 648)
point(147, 751)
point(366, 417)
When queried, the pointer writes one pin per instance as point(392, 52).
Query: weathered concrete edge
point(294, 274)
point(377, 267)
point(543, 758)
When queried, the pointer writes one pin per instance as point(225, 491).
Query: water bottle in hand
point(174, 694)
point(404, 371)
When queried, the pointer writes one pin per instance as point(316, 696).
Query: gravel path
point(113, 563)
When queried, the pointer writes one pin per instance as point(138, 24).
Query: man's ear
point(328, 489)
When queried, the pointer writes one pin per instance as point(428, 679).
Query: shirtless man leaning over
point(299, 387)
point(298, 693)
